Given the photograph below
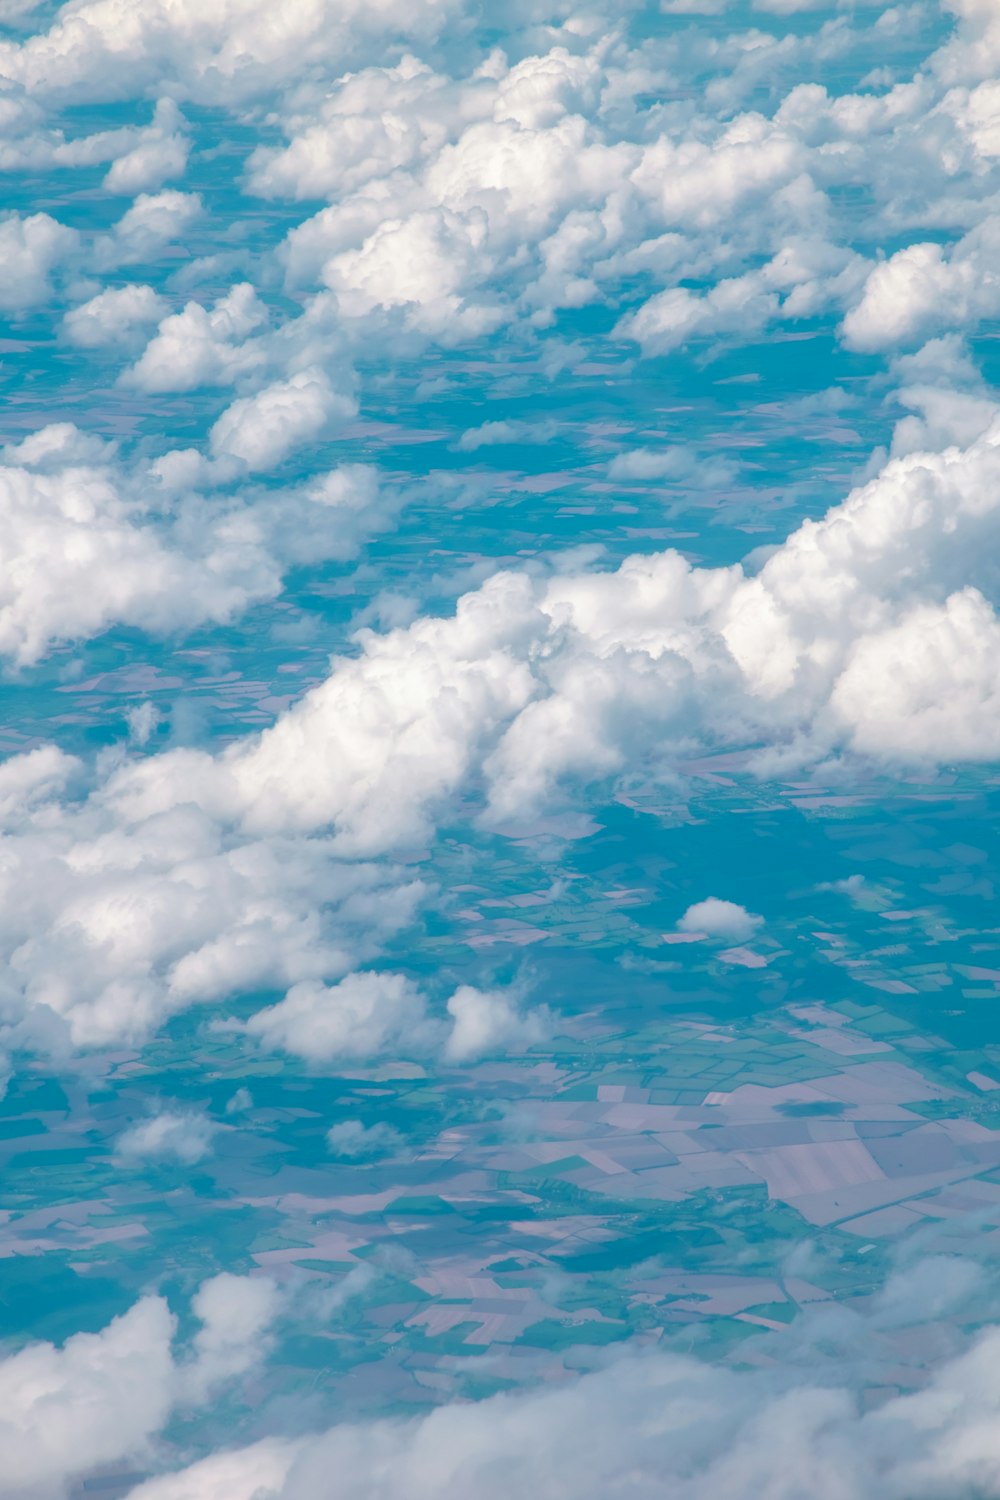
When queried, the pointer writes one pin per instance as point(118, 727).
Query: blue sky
point(499, 514)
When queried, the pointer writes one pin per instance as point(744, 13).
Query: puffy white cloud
point(32, 779)
point(491, 1021)
point(363, 1016)
point(802, 280)
point(372, 123)
point(741, 305)
point(30, 249)
point(260, 431)
point(462, 204)
point(370, 1015)
point(928, 687)
point(102, 1397)
point(229, 50)
point(113, 317)
point(836, 641)
point(153, 222)
point(702, 183)
point(200, 346)
point(160, 153)
point(720, 919)
point(110, 926)
point(676, 462)
point(923, 289)
point(183, 1137)
point(424, 265)
point(236, 1313)
point(244, 1474)
point(974, 51)
point(80, 558)
point(489, 434)
point(90, 544)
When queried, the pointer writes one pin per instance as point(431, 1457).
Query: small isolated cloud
point(30, 249)
point(363, 1016)
point(142, 719)
point(114, 317)
point(492, 434)
point(491, 1021)
point(852, 886)
point(262, 430)
point(154, 221)
point(726, 920)
point(356, 1141)
point(677, 462)
point(185, 1138)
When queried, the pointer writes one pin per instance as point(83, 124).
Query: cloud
point(489, 434)
point(488, 1022)
point(842, 640)
point(373, 122)
point(371, 1015)
point(79, 559)
point(648, 1425)
point(426, 265)
point(198, 346)
point(243, 1474)
point(677, 462)
point(31, 248)
point(186, 1138)
point(102, 1397)
point(262, 430)
point(99, 1398)
point(363, 1016)
point(160, 153)
point(228, 51)
point(113, 317)
point(720, 919)
point(154, 221)
point(91, 544)
point(923, 289)
point(356, 1141)
point(107, 928)
point(236, 1313)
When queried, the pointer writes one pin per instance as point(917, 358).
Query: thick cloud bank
point(868, 633)
point(645, 1428)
